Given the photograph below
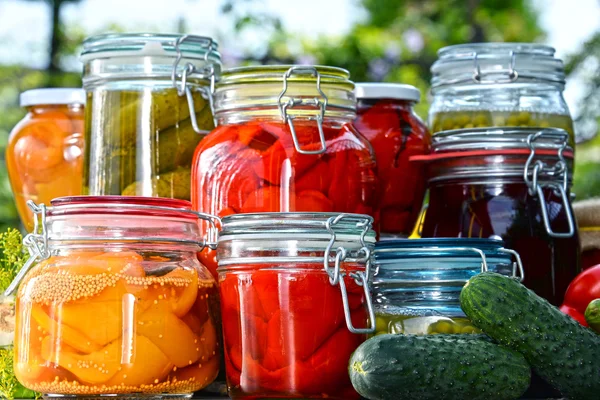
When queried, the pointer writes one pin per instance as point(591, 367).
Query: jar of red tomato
point(385, 116)
point(512, 183)
point(295, 302)
point(284, 143)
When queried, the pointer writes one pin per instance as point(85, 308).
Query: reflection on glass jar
point(385, 116)
point(498, 84)
point(285, 142)
point(416, 283)
point(513, 184)
point(294, 302)
point(116, 302)
point(44, 154)
point(148, 106)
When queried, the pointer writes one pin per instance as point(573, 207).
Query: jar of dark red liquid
point(512, 183)
point(295, 302)
point(285, 142)
point(385, 116)
point(587, 213)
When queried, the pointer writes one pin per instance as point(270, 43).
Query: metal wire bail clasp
point(513, 75)
point(208, 72)
point(559, 170)
point(517, 264)
point(36, 243)
point(292, 102)
point(212, 235)
point(337, 274)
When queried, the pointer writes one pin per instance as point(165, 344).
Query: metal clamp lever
point(207, 73)
point(36, 244)
point(321, 105)
point(536, 189)
point(336, 277)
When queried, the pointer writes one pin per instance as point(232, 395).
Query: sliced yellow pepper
point(181, 298)
point(62, 333)
point(170, 334)
point(148, 366)
point(203, 373)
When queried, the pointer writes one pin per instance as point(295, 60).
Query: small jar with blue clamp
point(416, 284)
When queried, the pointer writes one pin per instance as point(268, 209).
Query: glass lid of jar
point(293, 89)
point(296, 225)
point(88, 221)
point(501, 139)
point(442, 260)
point(496, 63)
point(150, 44)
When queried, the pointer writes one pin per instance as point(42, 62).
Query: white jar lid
point(51, 96)
point(398, 91)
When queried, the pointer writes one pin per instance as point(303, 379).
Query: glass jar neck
point(40, 109)
point(488, 64)
point(292, 238)
point(384, 105)
point(286, 92)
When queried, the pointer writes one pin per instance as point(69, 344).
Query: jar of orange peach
point(114, 302)
point(45, 149)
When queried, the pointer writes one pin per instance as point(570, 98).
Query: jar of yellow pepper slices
point(114, 301)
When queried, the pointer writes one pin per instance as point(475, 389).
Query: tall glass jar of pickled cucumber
point(498, 84)
point(148, 106)
point(416, 284)
point(113, 301)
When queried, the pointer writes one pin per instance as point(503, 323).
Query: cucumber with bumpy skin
point(437, 367)
point(559, 349)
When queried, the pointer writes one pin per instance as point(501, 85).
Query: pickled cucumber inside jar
point(104, 323)
point(449, 120)
point(141, 142)
point(422, 324)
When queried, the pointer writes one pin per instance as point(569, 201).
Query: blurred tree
point(397, 41)
point(56, 35)
point(586, 65)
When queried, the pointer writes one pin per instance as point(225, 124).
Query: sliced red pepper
point(313, 201)
point(351, 184)
point(393, 220)
point(316, 178)
point(265, 286)
point(269, 199)
point(255, 137)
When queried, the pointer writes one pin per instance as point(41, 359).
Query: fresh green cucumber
point(560, 350)
point(437, 367)
point(592, 315)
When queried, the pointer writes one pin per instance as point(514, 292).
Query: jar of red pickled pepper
point(44, 156)
point(295, 302)
point(284, 143)
point(512, 183)
point(385, 116)
point(113, 301)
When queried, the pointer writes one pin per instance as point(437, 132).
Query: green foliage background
point(397, 41)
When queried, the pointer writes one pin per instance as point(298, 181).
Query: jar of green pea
point(498, 84)
point(416, 284)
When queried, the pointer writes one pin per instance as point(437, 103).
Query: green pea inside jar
point(422, 325)
point(416, 284)
point(450, 120)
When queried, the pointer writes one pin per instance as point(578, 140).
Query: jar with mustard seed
point(114, 302)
